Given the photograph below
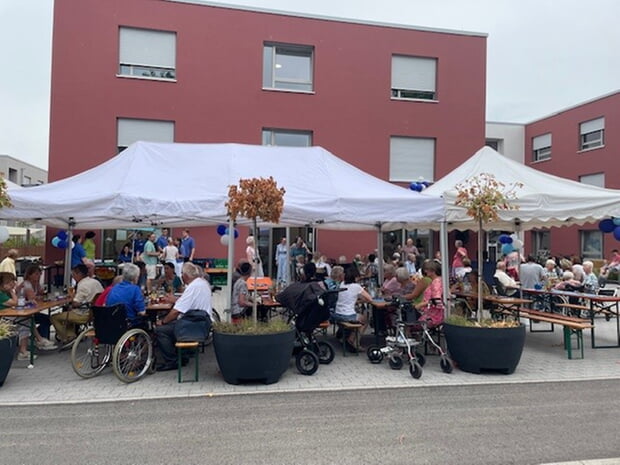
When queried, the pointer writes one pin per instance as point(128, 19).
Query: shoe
point(46, 344)
point(165, 367)
point(25, 356)
point(350, 347)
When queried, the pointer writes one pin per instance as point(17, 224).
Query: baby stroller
point(400, 345)
point(308, 306)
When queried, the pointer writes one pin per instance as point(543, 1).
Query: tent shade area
point(159, 184)
point(544, 200)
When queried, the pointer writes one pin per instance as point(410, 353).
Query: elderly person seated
point(128, 292)
point(590, 280)
point(241, 304)
point(550, 274)
point(568, 283)
point(86, 290)
point(504, 283)
point(390, 285)
point(170, 282)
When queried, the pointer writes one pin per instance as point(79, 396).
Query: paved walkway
point(52, 379)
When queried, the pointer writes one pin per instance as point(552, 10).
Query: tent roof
point(187, 185)
point(544, 200)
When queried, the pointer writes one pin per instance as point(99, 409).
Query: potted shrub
point(8, 346)
point(484, 344)
point(253, 351)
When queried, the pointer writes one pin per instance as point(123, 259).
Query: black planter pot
point(485, 349)
point(7, 354)
point(263, 357)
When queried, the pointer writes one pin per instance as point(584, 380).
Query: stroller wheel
point(396, 363)
point(307, 362)
point(420, 358)
point(374, 354)
point(446, 365)
point(325, 352)
point(416, 370)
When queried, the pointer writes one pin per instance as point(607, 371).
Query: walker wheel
point(374, 354)
point(416, 370)
point(396, 363)
point(420, 358)
point(446, 365)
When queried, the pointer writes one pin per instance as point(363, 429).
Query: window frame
point(141, 70)
point(543, 151)
point(393, 177)
point(270, 66)
point(120, 147)
point(599, 141)
point(273, 132)
point(410, 93)
point(582, 241)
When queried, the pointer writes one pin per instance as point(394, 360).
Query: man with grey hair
point(129, 293)
point(193, 305)
point(508, 285)
point(8, 264)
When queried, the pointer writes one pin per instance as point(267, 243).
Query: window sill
point(590, 149)
point(275, 89)
point(145, 78)
point(420, 100)
point(535, 162)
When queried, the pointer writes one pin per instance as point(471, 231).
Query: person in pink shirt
point(459, 255)
point(390, 285)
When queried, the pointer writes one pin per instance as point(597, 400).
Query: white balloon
point(4, 234)
point(224, 239)
point(514, 237)
point(517, 244)
point(72, 243)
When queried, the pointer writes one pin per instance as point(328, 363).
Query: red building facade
point(395, 101)
point(579, 143)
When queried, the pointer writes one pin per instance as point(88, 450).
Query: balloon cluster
point(419, 186)
point(510, 243)
point(610, 225)
point(60, 240)
point(224, 233)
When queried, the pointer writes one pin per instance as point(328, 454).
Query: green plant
point(459, 320)
point(250, 327)
point(7, 329)
point(483, 197)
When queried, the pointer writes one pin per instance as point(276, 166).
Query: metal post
point(379, 255)
point(231, 263)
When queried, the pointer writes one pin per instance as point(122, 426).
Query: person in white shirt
point(345, 306)
point(510, 285)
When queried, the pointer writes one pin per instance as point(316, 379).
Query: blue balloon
point(412, 186)
point(616, 221)
point(503, 238)
point(55, 241)
point(607, 225)
point(62, 244)
point(221, 229)
point(509, 240)
point(236, 235)
point(507, 248)
point(62, 235)
point(617, 233)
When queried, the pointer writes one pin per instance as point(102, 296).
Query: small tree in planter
point(256, 198)
point(251, 350)
point(479, 345)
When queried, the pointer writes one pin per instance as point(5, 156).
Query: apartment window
point(541, 147)
point(592, 134)
point(288, 67)
point(541, 244)
point(591, 244)
point(495, 144)
point(283, 137)
point(412, 158)
point(133, 130)
point(414, 77)
point(597, 179)
point(146, 53)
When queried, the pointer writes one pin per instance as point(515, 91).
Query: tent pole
point(379, 255)
point(445, 272)
point(231, 265)
point(288, 256)
point(67, 267)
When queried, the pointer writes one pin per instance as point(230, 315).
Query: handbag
point(194, 325)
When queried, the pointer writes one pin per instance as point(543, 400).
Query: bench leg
point(180, 352)
point(568, 332)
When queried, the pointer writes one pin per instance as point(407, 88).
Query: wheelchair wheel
point(325, 353)
point(446, 365)
point(132, 356)
point(396, 363)
point(416, 370)
point(307, 362)
point(374, 354)
point(420, 358)
point(88, 357)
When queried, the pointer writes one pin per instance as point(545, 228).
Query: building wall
point(509, 138)
point(218, 95)
point(20, 172)
point(568, 161)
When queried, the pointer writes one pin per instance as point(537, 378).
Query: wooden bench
point(581, 308)
point(570, 324)
point(183, 347)
point(346, 328)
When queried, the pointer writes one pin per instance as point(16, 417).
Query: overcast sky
point(542, 55)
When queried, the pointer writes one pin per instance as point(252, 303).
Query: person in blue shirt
point(127, 292)
point(125, 256)
point(188, 246)
point(138, 244)
point(162, 241)
point(78, 254)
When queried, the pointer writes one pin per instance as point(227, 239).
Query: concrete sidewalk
point(52, 379)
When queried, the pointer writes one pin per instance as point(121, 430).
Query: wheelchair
point(111, 341)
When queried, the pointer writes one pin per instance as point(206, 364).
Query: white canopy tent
point(187, 185)
point(544, 200)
